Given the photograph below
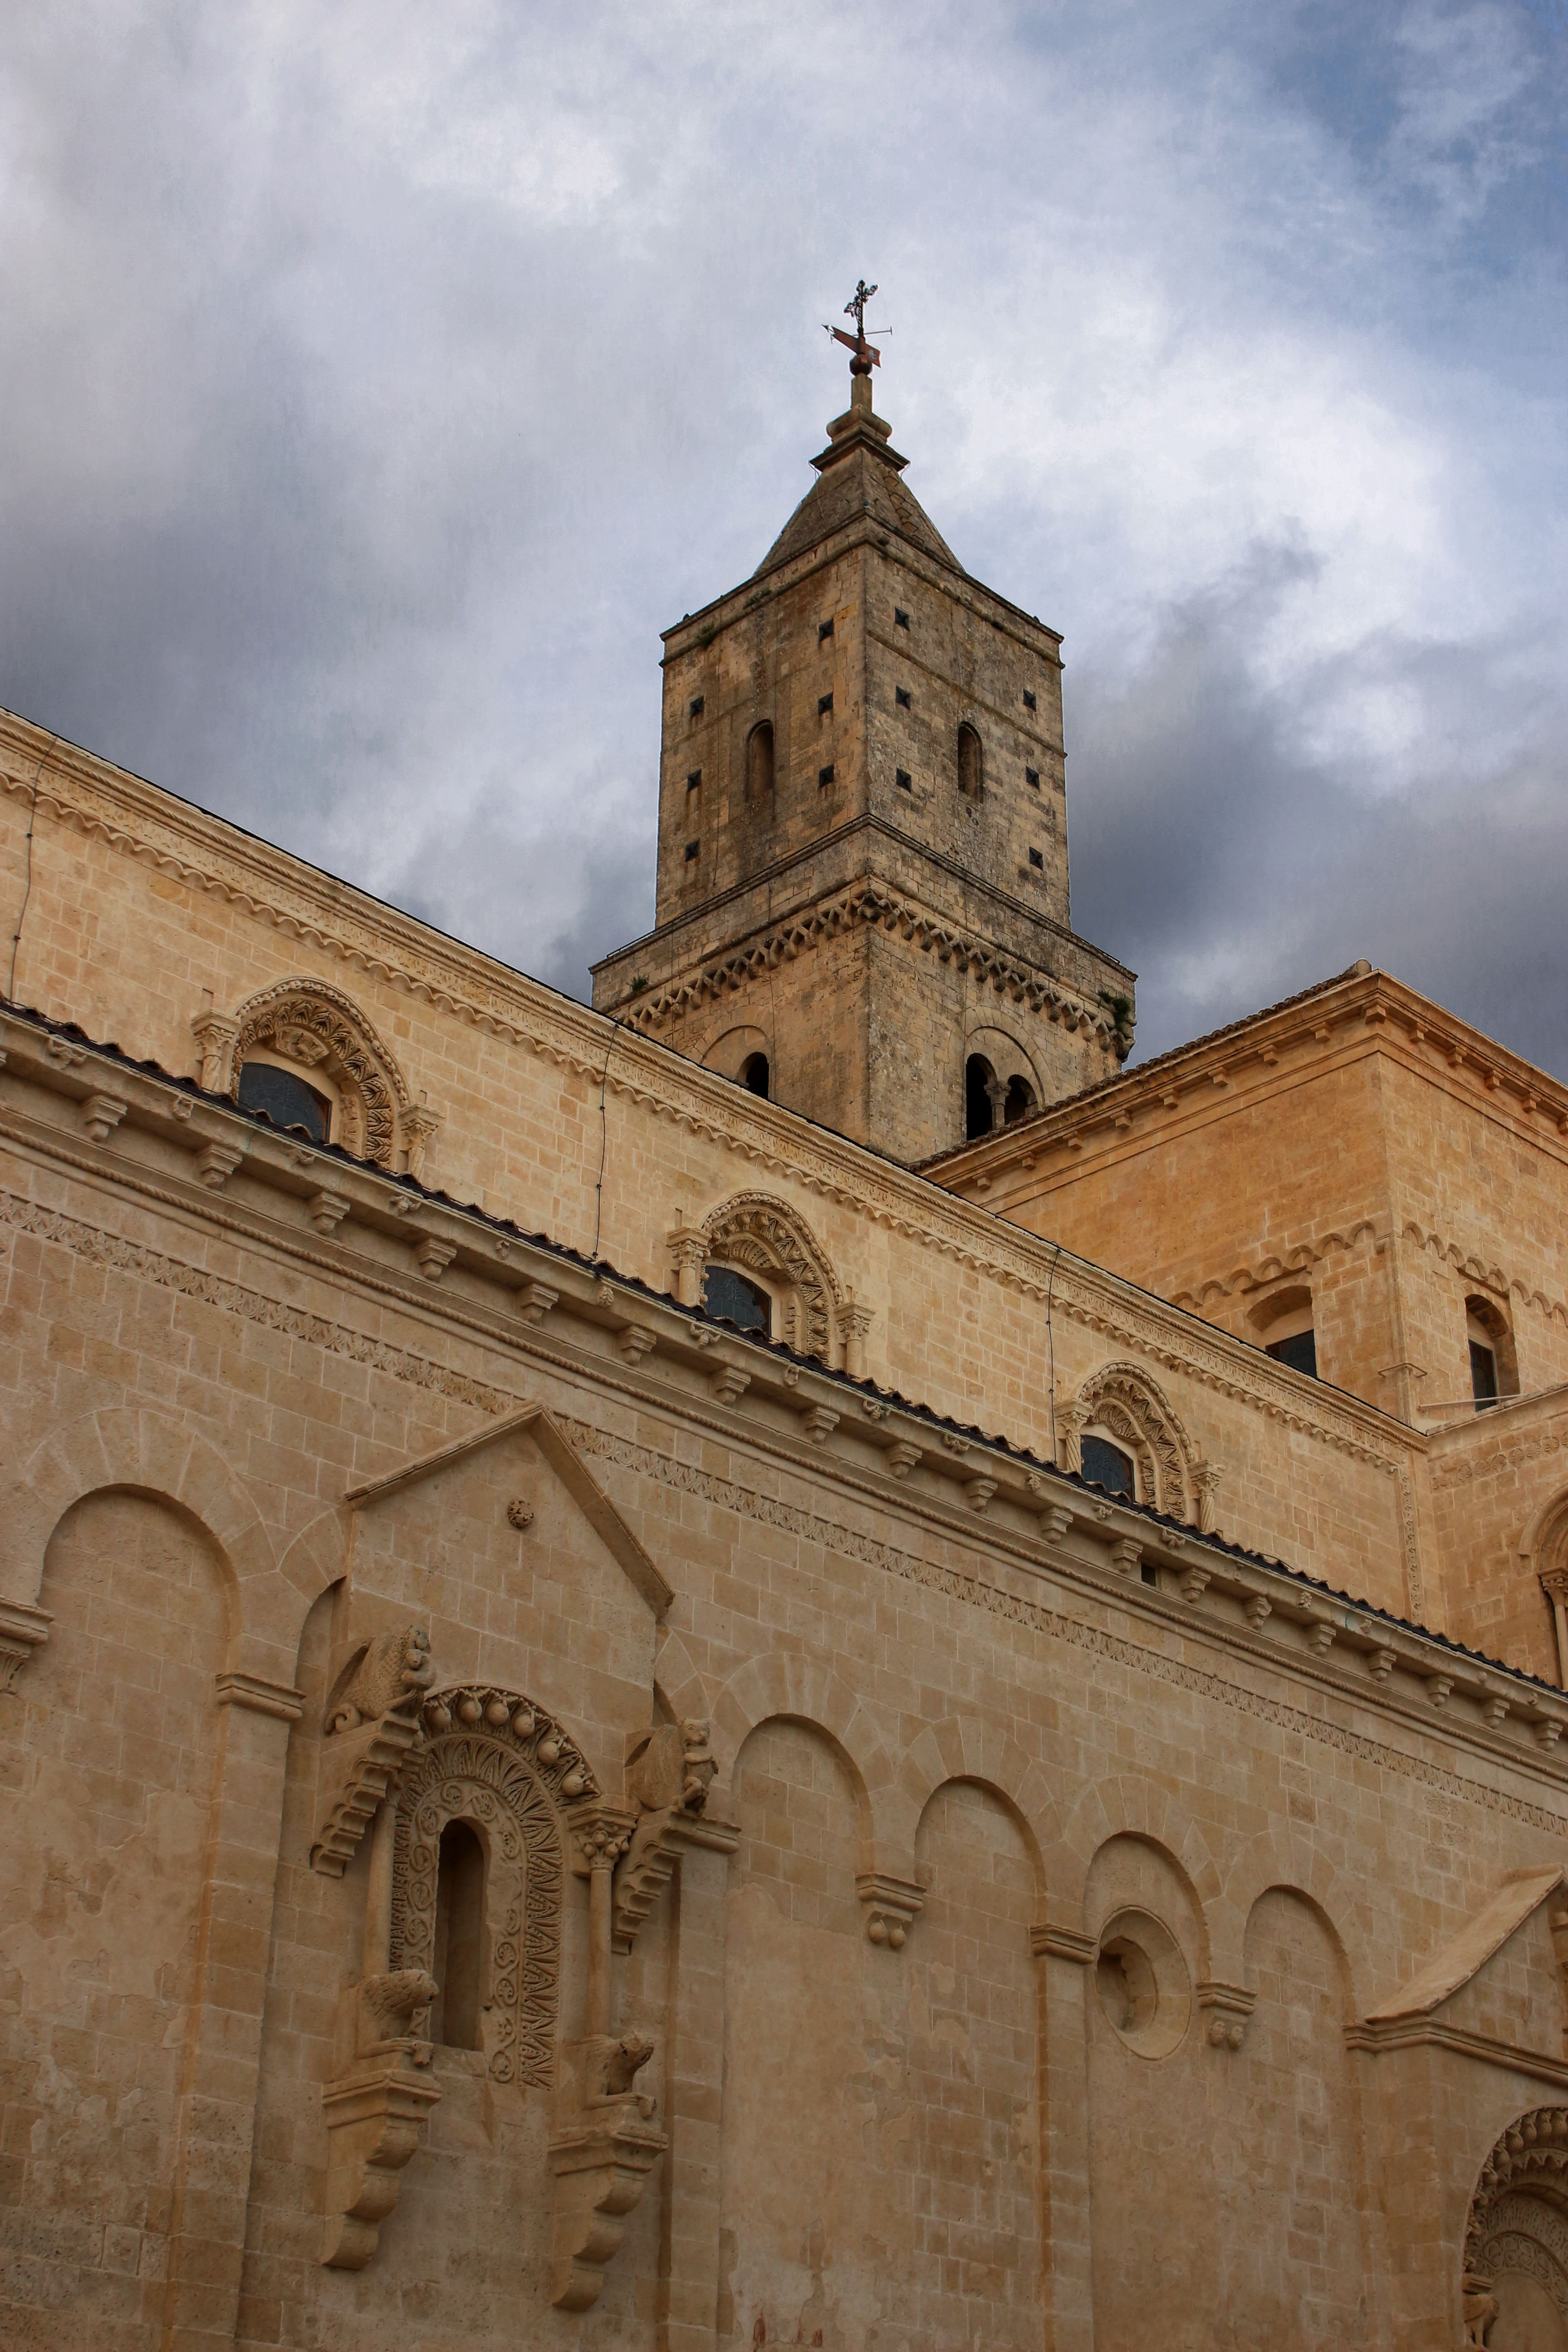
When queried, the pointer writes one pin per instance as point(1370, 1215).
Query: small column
point(1066, 1957)
point(687, 2307)
point(1554, 1584)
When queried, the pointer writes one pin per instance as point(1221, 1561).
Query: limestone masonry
point(925, 1718)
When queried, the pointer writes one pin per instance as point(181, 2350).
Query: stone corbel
point(23, 1630)
point(667, 1781)
point(890, 1906)
point(216, 1036)
point(603, 2146)
point(374, 2110)
point(687, 1256)
point(1229, 2006)
point(370, 1730)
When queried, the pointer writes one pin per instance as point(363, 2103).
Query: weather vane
point(866, 355)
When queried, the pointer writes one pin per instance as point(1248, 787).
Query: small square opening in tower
point(900, 620)
point(694, 779)
point(1032, 776)
point(697, 706)
point(824, 629)
point(1037, 858)
point(824, 775)
point(692, 849)
point(1029, 698)
point(824, 705)
point(904, 781)
point(901, 697)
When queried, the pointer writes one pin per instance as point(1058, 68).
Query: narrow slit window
point(697, 706)
point(971, 763)
point(824, 629)
point(692, 848)
point(1483, 1374)
point(824, 705)
point(901, 697)
point(1028, 697)
point(754, 1075)
point(900, 620)
point(1032, 778)
point(760, 760)
point(824, 775)
point(904, 781)
point(459, 1970)
point(693, 779)
point(1038, 858)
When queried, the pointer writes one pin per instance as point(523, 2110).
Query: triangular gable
point(1467, 1953)
point(569, 1467)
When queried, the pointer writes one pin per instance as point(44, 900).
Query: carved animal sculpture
point(1480, 2307)
point(699, 1766)
point(386, 2003)
point(673, 1769)
point(391, 1679)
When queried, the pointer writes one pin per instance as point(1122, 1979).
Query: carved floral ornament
point(318, 1028)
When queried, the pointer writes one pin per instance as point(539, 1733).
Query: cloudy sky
point(377, 379)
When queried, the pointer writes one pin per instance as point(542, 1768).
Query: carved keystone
point(890, 1906)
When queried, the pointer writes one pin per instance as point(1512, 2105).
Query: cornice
point(876, 904)
point(140, 820)
point(1267, 1054)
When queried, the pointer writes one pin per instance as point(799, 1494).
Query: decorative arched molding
point(137, 1450)
point(765, 1235)
point(785, 1684)
point(1543, 1554)
point(1128, 1806)
point(1299, 1259)
point(1518, 2220)
point(966, 1748)
point(1281, 1860)
point(492, 1758)
point(311, 1024)
point(1123, 1400)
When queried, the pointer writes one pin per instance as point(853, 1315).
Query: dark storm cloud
point(378, 382)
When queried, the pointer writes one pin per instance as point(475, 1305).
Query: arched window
point(1284, 1324)
point(1105, 1465)
point(1019, 1101)
point(759, 761)
point(1494, 1368)
point(286, 1099)
point(738, 1298)
point(754, 1075)
point(971, 763)
point(979, 1097)
point(459, 1963)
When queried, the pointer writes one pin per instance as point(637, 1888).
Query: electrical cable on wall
point(26, 893)
point(603, 1139)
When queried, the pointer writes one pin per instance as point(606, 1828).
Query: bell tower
point(862, 903)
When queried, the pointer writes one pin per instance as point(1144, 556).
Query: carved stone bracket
point(1070, 1944)
point(373, 2111)
point(604, 2147)
point(370, 1730)
point(890, 1906)
point(667, 1781)
point(1229, 2008)
point(23, 1629)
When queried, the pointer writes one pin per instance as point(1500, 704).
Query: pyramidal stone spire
point(862, 905)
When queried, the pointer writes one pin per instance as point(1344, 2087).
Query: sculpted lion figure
point(391, 1679)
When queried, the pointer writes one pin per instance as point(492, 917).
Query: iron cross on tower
point(866, 355)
